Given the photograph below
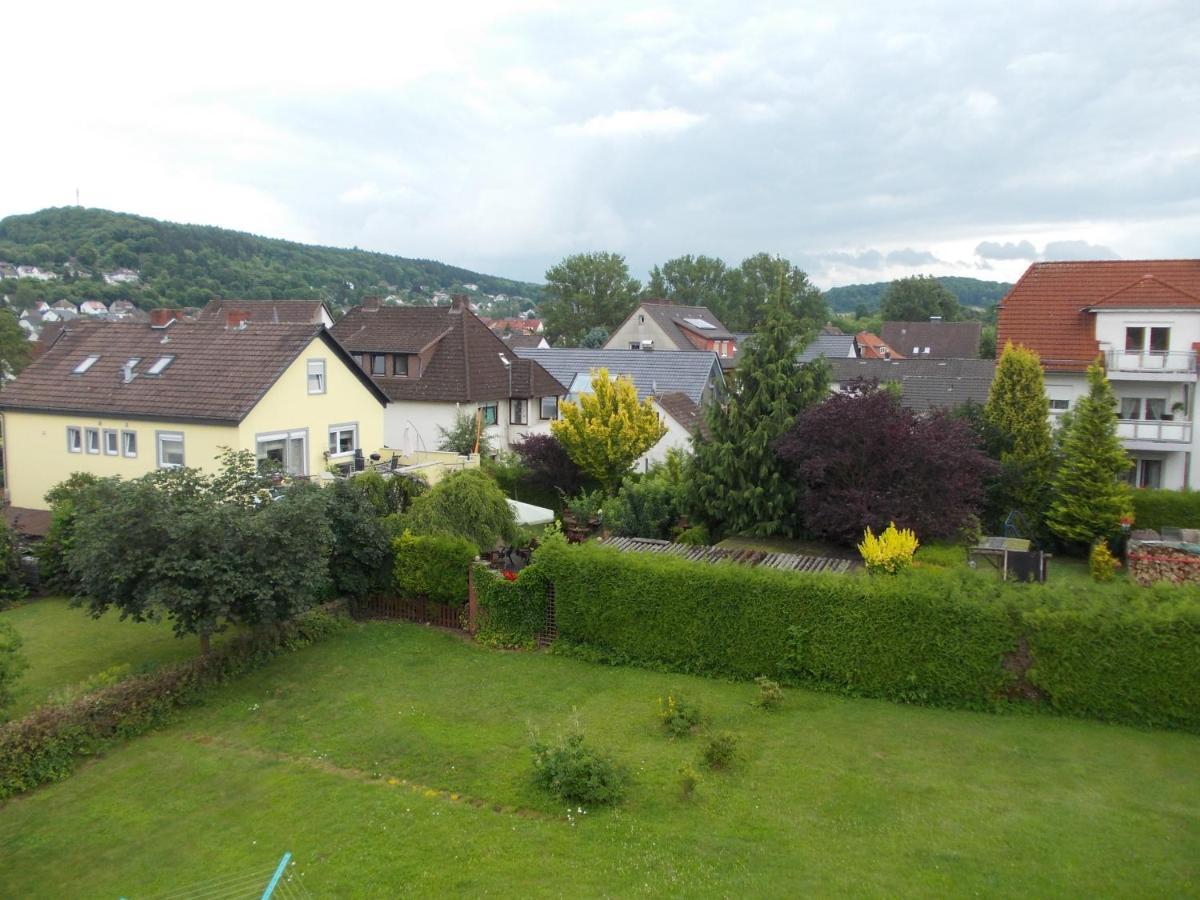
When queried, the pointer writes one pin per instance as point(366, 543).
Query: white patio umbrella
point(528, 514)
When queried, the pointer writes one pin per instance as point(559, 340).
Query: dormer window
point(86, 364)
point(379, 364)
point(160, 365)
point(400, 364)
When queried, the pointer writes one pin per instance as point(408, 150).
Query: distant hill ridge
point(970, 292)
point(187, 265)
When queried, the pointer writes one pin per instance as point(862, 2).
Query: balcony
point(1152, 363)
point(1154, 431)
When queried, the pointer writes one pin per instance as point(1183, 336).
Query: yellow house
point(123, 398)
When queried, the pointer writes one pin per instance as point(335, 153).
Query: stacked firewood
point(1150, 562)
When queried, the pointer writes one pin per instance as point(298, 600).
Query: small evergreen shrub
point(891, 552)
point(1101, 561)
point(689, 780)
point(678, 716)
point(432, 566)
point(576, 773)
point(770, 694)
point(720, 750)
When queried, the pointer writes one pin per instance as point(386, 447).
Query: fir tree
point(1089, 496)
point(1019, 413)
point(738, 483)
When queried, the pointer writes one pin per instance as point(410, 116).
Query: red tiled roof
point(1047, 309)
point(279, 312)
point(871, 346)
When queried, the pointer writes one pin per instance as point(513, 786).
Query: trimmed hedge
point(512, 612)
point(1159, 509)
point(946, 638)
point(46, 744)
point(432, 566)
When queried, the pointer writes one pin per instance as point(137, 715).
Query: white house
point(1142, 318)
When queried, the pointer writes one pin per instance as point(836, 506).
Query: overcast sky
point(863, 141)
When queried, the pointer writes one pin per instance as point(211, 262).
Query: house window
point(316, 376)
point(641, 319)
point(491, 413)
point(129, 444)
point(635, 345)
point(1156, 409)
point(518, 412)
point(343, 439)
point(1149, 473)
point(400, 364)
point(1131, 408)
point(285, 451)
point(91, 439)
point(358, 359)
point(1057, 405)
point(378, 364)
point(87, 363)
point(1160, 340)
point(74, 439)
point(1135, 340)
point(549, 408)
point(111, 446)
point(170, 449)
point(160, 365)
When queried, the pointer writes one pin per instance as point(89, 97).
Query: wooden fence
point(419, 610)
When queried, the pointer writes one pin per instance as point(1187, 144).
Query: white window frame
point(159, 437)
point(335, 433)
point(74, 439)
point(518, 405)
point(542, 409)
point(114, 435)
point(91, 439)
point(86, 363)
point(1065, 405)
point(287, 437)
point(316, 369)
point(128, 451)
point(160, 365)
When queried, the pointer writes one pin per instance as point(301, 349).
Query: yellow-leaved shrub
point(891, 551)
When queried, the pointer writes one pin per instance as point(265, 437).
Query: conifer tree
point(1019, 412)
point(1089, 496)
point(738, 483)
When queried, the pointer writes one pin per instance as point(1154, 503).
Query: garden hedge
point(939, 637)
point(1159, 509)
point(432, 566)
point(46, 744)
point(512, 612)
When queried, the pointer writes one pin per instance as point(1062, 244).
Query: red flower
point(511, 576)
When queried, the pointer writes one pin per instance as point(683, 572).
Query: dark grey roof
point(924, 383)
point(830, 346)
point(945, 340)
point(673, 319)
point(653, 372)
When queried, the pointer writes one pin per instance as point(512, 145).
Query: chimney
point(161, 318)
point(235, 320)
point(459, 302)
point(372, 303)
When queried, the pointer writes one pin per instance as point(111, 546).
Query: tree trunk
point(204, 643)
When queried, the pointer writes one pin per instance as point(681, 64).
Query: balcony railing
point(1152, 361)
point(1162, 430)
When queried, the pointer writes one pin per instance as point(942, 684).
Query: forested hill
point(187, 265)
point(970, 292)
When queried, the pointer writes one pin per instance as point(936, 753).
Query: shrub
point(1101, 561)
point(52, 552)
point(696, 536)
point(547, 465)
point(44, 746)
point(390, 495)
point(689, 780)
point(512, 612)
point(889, 553)
point(12, 662)
point(679, 717)
point(1160, 509)
point(770, 694)
point(12, 580)
point(646, 506)
point(466, 504)
point(432, 566)
point(586, 507)
point(359, 557)
point(102, 679)
point(576, 773)
point(466, 435)
point(720, 750)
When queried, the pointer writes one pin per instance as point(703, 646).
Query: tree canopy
point(584, 292)
point(917, 299)
point(14, 346)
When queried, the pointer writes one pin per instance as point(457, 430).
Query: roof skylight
point(86, 364)
point(159, 364)
point(700, 323)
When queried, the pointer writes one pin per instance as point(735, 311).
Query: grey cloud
point(1073, 250)
point(910, 257)
point(1007, 250)
point(867, 259)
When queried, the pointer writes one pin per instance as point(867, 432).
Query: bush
point(512, 612)
point(696, 536)
point(720, 750)
point(1101, 561)
point(465, 436)
point(646, 506)
point(12, 662)
point(12, 579)
point(44, 746)
point(677, 715)
point(358, 560)
point(576, 773)
point(547, 465)
point(466, 504)
point(689, 780)
point(102, 679)
point(432, 566)
point(891, 552)
point(1160, 509)
point(53, 551)
point(391, 495)
point(770, 694)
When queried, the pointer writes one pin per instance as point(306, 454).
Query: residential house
point(8, 270)
point(36, 273)
point(1141, 318)
point(871, 346)
point(434, 362)
point(934, 339)
point(314, 312)
point(93, 308)
point(662, 325)
point(514, 326)
point(679, 383)
point(526, 340)
point(829, 346)
point(121, 276)
point(125, 398)
point(925, 384)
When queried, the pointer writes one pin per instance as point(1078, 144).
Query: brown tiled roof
point(945, 340)
point(279, 312)
point(217, 374)
point(679, 406)
point(670, 318)
point(464, 355)
point(1046, 310)
point(523, 340)
point(28, 522)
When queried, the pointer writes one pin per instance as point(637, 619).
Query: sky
point(862, 141)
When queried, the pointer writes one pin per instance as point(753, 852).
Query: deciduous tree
point(762, 281)
point(586, 291)
point(918, 298)
point(690, 280)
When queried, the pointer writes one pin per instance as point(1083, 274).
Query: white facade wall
point(676, 438)
point(637, 328)
point(413, 424)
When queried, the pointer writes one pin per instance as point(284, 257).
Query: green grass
point(394, 759)
point(65, 645)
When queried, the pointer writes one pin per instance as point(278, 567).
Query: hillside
point(187, 265)
point(970, 292)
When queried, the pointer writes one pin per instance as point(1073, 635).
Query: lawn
point(65, 645)
point(394, 759)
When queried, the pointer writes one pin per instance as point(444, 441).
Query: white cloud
point(636, 122)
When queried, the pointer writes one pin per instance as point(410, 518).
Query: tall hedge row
point(947, 638)
point(1166, 509)
point(512, 612)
